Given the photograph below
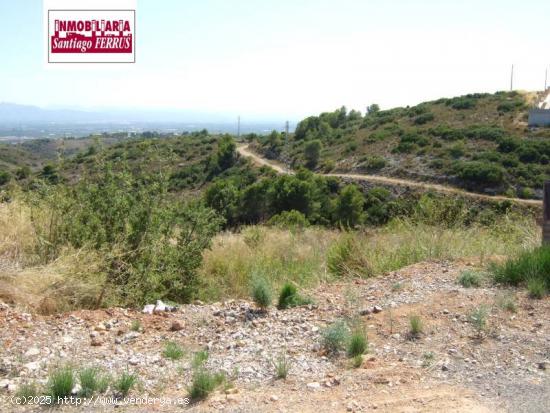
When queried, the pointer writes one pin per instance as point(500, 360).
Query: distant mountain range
point(33, 121)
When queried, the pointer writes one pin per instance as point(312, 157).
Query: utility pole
point(545, 79)
point(286, 131)
point(287, 143)
point(239, 127)
point(512, 79)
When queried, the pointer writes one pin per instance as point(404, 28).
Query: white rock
point(33, 365)
point(160, 306)
point(148, 309)
point(33, 351)
point(313, 386)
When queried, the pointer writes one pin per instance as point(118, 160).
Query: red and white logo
point(91, 36)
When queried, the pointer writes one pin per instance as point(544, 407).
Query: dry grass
point(71, 281)
point(275, 254)
point(301, 257)
point(17, 236)
point(75, 279)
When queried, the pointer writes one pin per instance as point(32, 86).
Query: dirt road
point(245, 151)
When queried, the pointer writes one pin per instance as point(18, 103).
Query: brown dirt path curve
point(246, 152)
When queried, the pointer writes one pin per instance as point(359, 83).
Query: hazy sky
point(287, 58)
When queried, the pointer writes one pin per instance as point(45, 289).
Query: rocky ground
point(450, 367)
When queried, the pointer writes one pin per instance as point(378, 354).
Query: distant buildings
point(540, 116)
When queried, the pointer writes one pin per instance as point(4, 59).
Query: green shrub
point(103, 383)
point(289, 220)
point(135, 325)
point(204, 383)
point(526, 193)
point(461, 103)
point(478, 319)
point(5, 177)
point(89, 381)
point(348, 210)
point(416, 326)
point(375, 162)
point(423, 119)
point(289, 297)
point(261, 292)
point(312, 153)
point(525, 268)
point(510, 106)
point(457, 150)
point(124, 383)
point(339, 254)
point(328, 166)
point(469, 279)
point(507, 302)
point(173, 351)
point(199, 358)
point(335, 336)
point(61, 383)
point(478, 172)
point(357, 361)
point(358, 344)
point(536, 288)
point(428, 359)
point(282, 366)
point(131, 214)
point(27, 392)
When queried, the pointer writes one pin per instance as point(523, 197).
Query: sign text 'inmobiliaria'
point(91, 36)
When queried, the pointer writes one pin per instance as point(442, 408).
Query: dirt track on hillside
point(245, 151)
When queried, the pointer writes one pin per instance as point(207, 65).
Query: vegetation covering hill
point(18, 160)
point(187, 219)
point(479, 141)
point(145, 209)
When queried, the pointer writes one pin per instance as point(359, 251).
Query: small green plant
point(506, 302)
point(416, 326)
point(199, 359)
point(135, 326)
point(536, 288)
point(261, 293)
point(428, 359)
point(478, 318)
point(124, 383)
point(173, 351)
point(358, 343)
point(204, 382)
point(26, 392)
point(469, 279)
point(525, 269)
point(397, 286)
point(357, 361)
point(289, 297)
point(103, 383)
point(282, 366)
point(89, 381)
point(61, 383)
point(335, 336)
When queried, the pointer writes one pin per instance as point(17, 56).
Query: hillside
point(479, 142)
point(27, 156)
point(185, 269)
